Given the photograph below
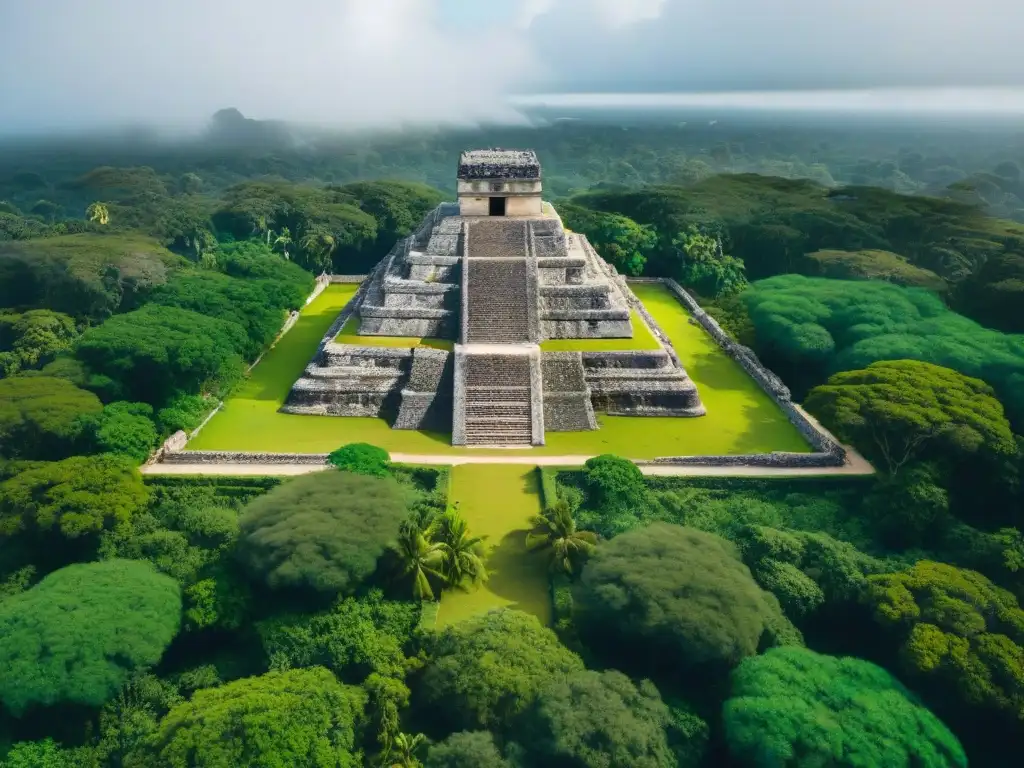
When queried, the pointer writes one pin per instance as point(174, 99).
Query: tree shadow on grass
point(519, 576)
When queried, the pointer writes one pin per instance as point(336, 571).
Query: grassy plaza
point(741, 418)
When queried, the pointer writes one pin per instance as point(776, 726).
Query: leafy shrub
point(361, 458)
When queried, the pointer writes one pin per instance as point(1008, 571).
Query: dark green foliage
point(994, 294)
point(872, 265)
point(705, 612)
point(40, 416)
point(32, 339)
point(355, 638)
point(794, 707)
point(598, 720)
point(125, 429)
point(911, 508)
point(488, 669)
point(957, 631)
point(466, 749)
point(183, 412)
point(705, 267)
point(77, 497)
point(291, 718)
point(87, 276)
point(616, 494)
point(158, 352)
point(77, 634)
point(620, 240)
point(805, 569)
point(897, 410)
point(322, 532)
point(810, 327)
point(361, 458)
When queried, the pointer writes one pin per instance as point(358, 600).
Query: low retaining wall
point(346, 278)
point(243, 457)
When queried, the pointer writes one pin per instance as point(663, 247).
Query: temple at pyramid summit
point(446, 333)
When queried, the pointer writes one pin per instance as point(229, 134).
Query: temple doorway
point(496, 206)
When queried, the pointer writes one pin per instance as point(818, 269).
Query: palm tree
point(463, 553)
point(260, 227)
point(402, 753)
point(421, 559)
point(98, 212)
point(555, 530)
point(319, 245)
point(284, 240)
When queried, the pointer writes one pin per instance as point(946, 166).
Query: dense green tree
point(32, 339)
point(704, 265)
point(157, 352)
point(126, 429)
point(79, 633)
point(75, 497)
point(354, 639)
point(615, 484)
point(256, 305)
point(598, 720)
point(993, 294)
point(957, 631)
point(41, 416)
point(85, 275)
point(290, 718)
point(706, 612)
point(488, 669)
point(912, 508)
point(554, 530)
point(809, 327)
point(618, 239)
point(794, 707)
point(361, 458)
point(37, 754)
point(466, 749)
point(873, 265)
point(898, 410)
point(322, 532)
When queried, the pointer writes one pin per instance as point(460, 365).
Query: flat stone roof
point(499, 164)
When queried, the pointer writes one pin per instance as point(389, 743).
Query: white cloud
point(352, 62)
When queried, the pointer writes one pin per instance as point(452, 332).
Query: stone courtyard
point(497, 273)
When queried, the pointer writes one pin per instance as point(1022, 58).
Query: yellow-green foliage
point(792, 707)
point(78, 634)
point(873, 265)
point(298, 717)
point(897, 410)
point(40, 416)
point(957, 628)
point(80, 496)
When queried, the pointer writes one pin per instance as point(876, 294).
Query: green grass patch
point(349, 334)
point(498, 501)
point(642, 339)
point(741, 417)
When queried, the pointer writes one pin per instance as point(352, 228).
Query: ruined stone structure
point(497, 273)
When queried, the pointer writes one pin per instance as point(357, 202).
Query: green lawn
point(498, 502)
point(349, 334)
point(741, 418)
point(642, 339)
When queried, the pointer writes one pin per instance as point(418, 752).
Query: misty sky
point(69, 63)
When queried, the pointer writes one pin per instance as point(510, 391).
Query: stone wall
point(345, 279)
point(829, 452)
point(243, 457)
